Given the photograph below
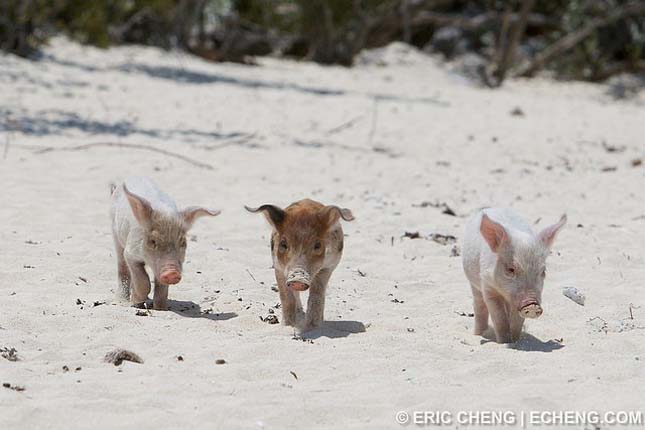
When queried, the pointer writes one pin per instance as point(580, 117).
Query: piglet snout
point(170, 276)
point(530, 308)
point(298, 279)
point(298, 286)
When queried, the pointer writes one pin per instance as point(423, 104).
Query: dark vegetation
point(576, 39)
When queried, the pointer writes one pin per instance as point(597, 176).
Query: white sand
point(271, 136)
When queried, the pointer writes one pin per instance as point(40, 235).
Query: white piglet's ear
point(192, 213)
point(141, 208)
point(548, 235)
point(494, 233)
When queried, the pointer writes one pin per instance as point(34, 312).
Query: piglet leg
point(160, 301)
point(517, 321)
point(140, 283)
point(316, 302)
point(123, 289)
point(480, 310)
point(288, 300)
point(497, 307)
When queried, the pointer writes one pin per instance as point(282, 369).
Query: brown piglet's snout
point(298, 286)
point(298, 280)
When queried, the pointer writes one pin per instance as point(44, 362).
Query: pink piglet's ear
point(494, 233)
point(192, 213)
point(548, 235)
point(141, 208)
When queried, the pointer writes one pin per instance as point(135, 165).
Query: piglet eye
point(152, 243)
point(182, 242)
point(510, 271)
point(318, 246)
point(283, 245)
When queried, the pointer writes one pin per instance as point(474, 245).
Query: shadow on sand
point(190, 309)
point(527, 342)
point(183, 75)
point(335, 329)
point(58, 122)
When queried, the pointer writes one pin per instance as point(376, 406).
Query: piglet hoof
point(141, 305)
point(309, 326)
point(504, 338)
point(531, 311)
point(288, 322)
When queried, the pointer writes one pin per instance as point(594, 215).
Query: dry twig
point(126, 145)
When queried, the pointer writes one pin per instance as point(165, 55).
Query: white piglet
point(505, 262)
point(149, 230)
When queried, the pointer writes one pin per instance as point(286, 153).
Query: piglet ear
point(141, 207)
point(192, 213)
point(333, 213)
point(494, 233)
point(548, 235)
point(272, 213)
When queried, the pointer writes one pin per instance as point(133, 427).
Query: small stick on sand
point(631, 308)
point(6, 147)
point(251, 275)
point(10, 125)
point(127, 145)
point(370, 137)
point(343, 126)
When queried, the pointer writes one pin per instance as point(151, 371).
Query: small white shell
point(575, 295)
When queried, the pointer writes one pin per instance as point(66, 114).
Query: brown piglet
point(306, 246)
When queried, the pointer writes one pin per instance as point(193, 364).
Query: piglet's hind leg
point(480, 310)
point(123, 289)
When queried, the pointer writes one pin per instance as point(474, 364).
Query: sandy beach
point(396, 139)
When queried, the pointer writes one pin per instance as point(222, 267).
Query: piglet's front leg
point(316, 302)
point(516, 323)
point(289, 301)
point(140, 283)
point(160, 301)
point(498, 313)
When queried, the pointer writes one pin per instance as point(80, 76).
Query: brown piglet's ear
point(273, 214)
point(494, 233)
point(192, 213)
point(334, 213)
point(141, 208)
